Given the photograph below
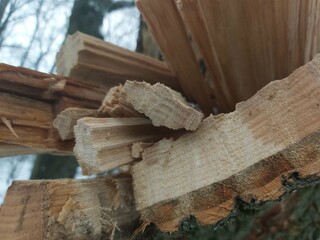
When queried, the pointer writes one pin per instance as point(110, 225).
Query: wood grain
point(166, 25)
point(247, 153)
point(164, 106)
point(91, 59)
point(69, 209)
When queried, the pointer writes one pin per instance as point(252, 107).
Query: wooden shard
point(115, 104)
point(164, 106)
point(69, 209)
point(67, 119)
point(89, 58)
point(105, 143)
point(268, 145)
point(167, 27)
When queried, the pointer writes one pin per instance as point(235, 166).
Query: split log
point(68, 118)
point(69, 209)
point(172, 38)
point(49, 87)
point(105, 143)
point(89, 58)
point(268, 146)
point(116, 105)
point(164, 106)
point(244, 55)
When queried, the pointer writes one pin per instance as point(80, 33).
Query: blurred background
point(31, 33)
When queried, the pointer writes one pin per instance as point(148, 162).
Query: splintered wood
point(244, 44)
point(105, 143)
point(116, 105)
point(162, 105)
point(167, 27)
point(30, 101)
point(69, 209)
point(91, 59)
point(68, 118)
point(269, 144)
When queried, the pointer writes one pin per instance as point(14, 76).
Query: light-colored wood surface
point(254, 42)
point(115, 104)
point(105, 143)
point(164, 106)
point(91, 59)
point(68, 209)
point(166, 25)
point(244, 44)
point(246, 153)
point(138, 148)
point(67, 119)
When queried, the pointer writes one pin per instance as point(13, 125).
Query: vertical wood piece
point(165, 23)
point(248, 43)
point(69, 209)
point(88, 58)
point(30, 101)
point(270, 140)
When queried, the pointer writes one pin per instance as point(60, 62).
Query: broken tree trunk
point(67, 119)
point(164, 106)
point(30, 101)
point(89, 58)
point(69, 209)
point(268, 146)
point(105, 143)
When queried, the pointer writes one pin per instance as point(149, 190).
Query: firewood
point(68, 118)
point(105, 143)
point(49, 87)
point(268, 145)
point(170, 34)
point(69, 209)
point(91, 59)
point(116, 105)
point(164, 106)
